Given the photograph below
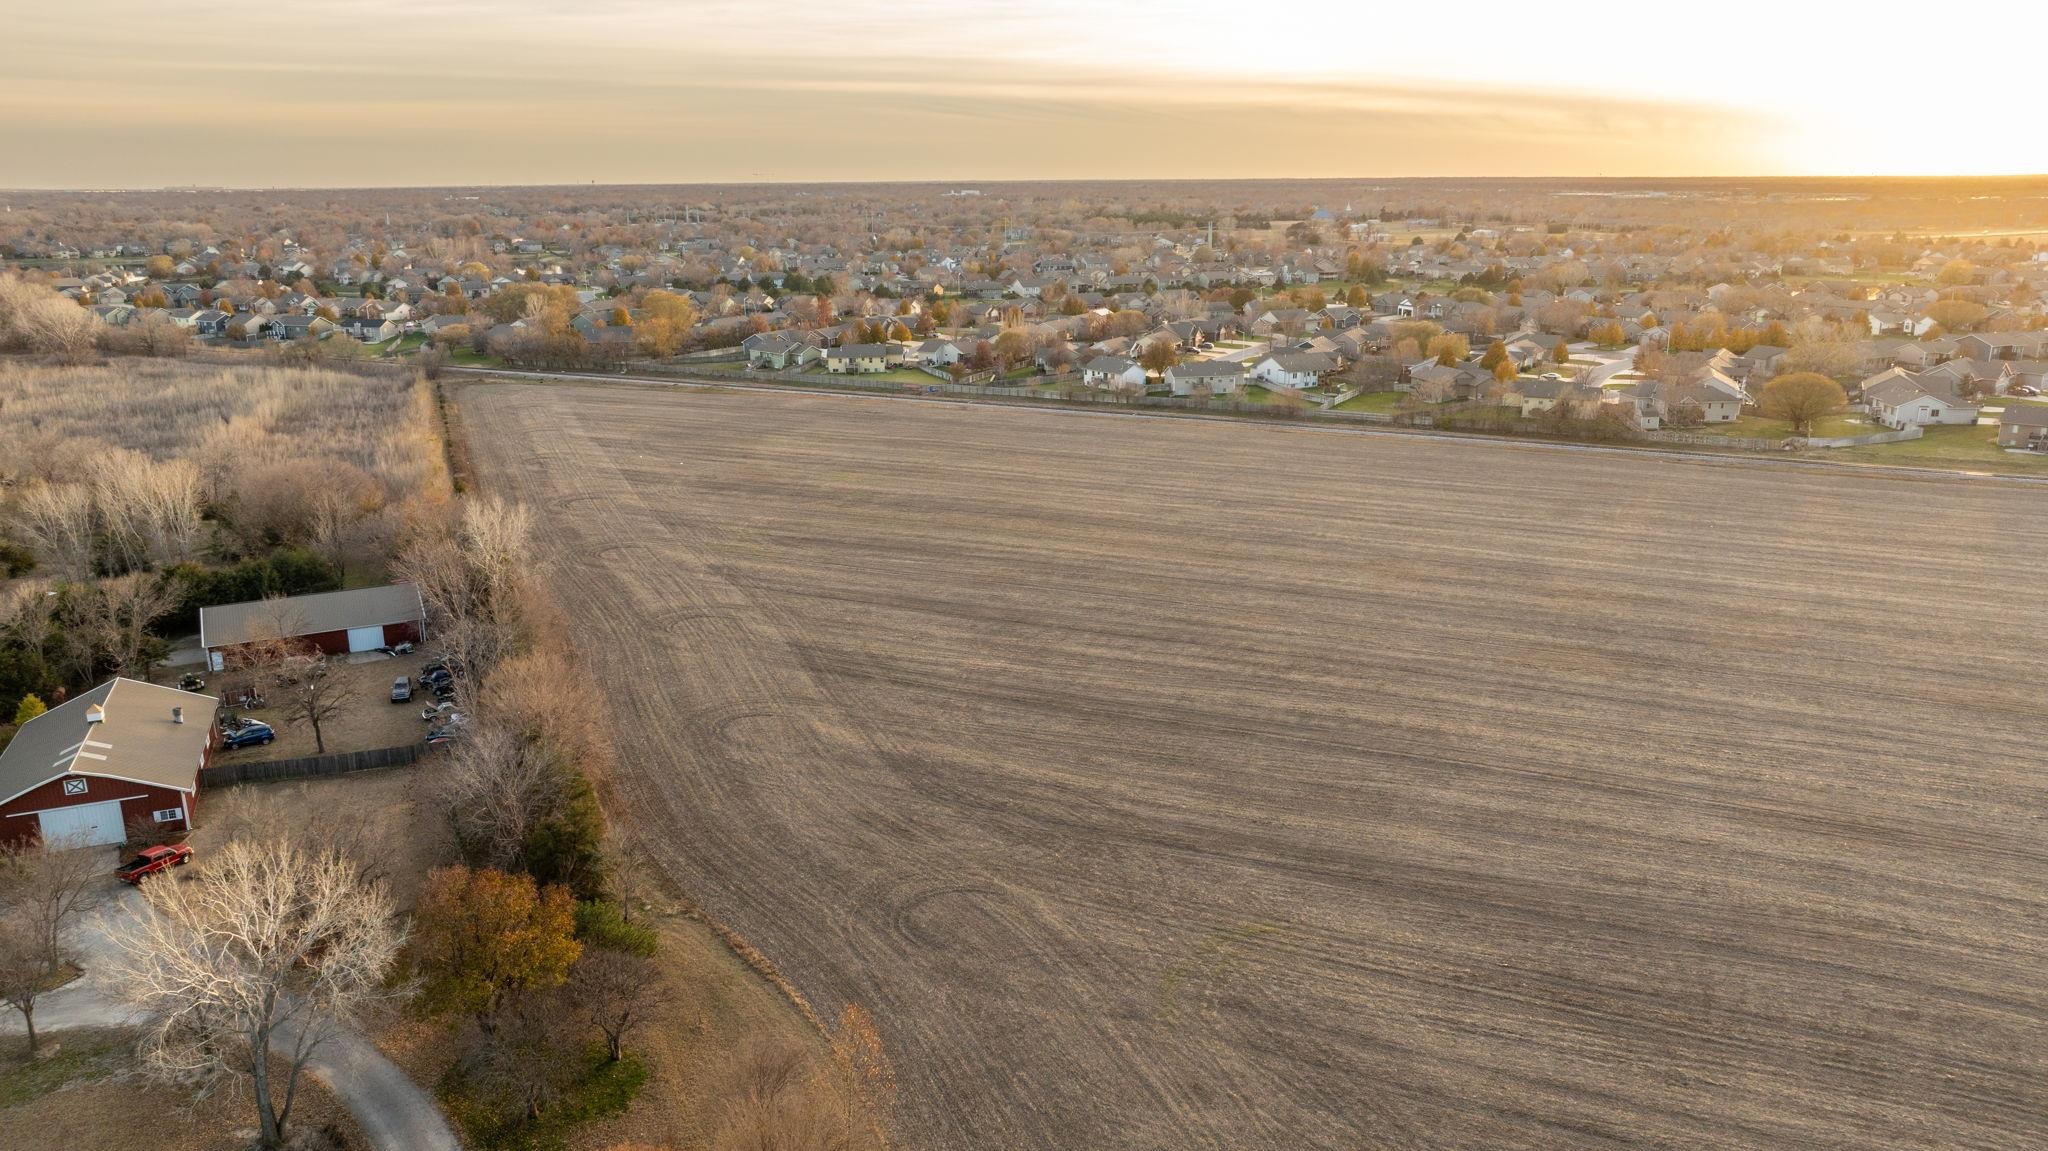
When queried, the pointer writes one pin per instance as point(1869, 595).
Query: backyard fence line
point(310, 766)
point(1751, 443)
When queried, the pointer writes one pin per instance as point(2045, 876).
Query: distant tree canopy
point(1957, 315)
point(1449, 349)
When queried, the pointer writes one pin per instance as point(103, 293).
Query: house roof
point(1109, 365)
point(1905, 388)
point(1297, 362)
point(287, 616)
point(859, 351)
point(136, 740)
point(2025, 415)
point(1200, 369)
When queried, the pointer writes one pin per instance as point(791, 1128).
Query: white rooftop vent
point(94, 713)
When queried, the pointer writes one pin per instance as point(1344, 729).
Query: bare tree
point(57, 522)
point(781, 1097)
point(36, 319)
point(25, 973)
point(313, 695)
point(496, 787)
point(614, 991)
point(495, 538)
point(128, 606)
point(267, 955)
point(469, 581)
point(528, 1059)
point(254, 814)
point(44, 887)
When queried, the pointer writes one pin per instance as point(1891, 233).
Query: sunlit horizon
point(638, 91)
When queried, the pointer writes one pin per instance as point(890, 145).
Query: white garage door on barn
point(87, 825)
point(366, 638)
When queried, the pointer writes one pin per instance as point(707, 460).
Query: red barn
point(361, 619)
point(125, 753)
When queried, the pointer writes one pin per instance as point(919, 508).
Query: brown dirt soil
point(107, 1108)
point(1165, 784)
point(369, 720)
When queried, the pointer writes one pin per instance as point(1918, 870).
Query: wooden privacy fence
point(310, 766)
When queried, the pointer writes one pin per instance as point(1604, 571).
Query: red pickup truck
point(152, 860)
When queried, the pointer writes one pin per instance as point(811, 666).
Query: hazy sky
point(125, 93)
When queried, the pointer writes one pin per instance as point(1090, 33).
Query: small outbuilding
point(335, 622)
point(125, 754)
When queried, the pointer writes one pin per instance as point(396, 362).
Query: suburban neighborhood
point(1509, 321)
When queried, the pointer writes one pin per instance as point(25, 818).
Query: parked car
point(2024, 390)
point(151, 860)
point(191, 682)
point(401, 689)
point(248, 734)
point(397, 649)
point(436, 711)
point(444, 691)
point(439, 735)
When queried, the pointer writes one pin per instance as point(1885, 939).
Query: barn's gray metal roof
point(287, 616)
point(136, 739)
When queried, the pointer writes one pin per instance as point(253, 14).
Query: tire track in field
point(1166, 784)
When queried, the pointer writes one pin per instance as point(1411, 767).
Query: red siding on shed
point(336, 642)
point(138, 801)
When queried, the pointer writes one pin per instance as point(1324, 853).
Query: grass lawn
point(397, 346)
point(1765, 428)
point(470, 357)
point(892, 376)
point(1973, 447)
point(1372, 402)
point(80, 1055)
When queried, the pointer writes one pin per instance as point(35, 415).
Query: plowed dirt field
point(1169, 784)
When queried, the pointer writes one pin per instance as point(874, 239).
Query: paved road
point(394, 1113)
point(1601, 373)
point(1245, 355)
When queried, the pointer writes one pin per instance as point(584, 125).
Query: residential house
point(2024, 426)
point(1902, 401)
point(1294, 369)
point(936, 352)
point(1221, 377)
point(779, 350)
point(2002, 345)
point(370, 330)
point(286, 328)
point(1540, 395)
point(1113, 372)
point(1719, 398)
point(862, 359)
